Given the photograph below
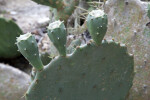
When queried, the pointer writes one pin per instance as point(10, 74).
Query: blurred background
point(129, 23)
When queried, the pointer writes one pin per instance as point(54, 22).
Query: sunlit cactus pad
point(92, 72)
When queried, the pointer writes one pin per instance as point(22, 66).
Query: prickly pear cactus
point(45, 58)
point(28, 47)
point(148, 11)
point(73, 45)
point(64, 7)
point(97, 25)
point(58, 35)
point(129, 24)
point(8, 33)
point(99, 70)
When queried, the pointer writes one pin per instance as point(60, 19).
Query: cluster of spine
point(64, 7)
point(92, 72)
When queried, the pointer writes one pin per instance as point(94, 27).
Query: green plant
point(45, 57)
point(71, 48)
point(148, 11)
point(97, 25)
point(64, 7)
point(99, 70)
point(58, 35)
point(8, 33)
point(28, 47)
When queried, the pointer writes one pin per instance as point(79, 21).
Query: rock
point(27, 14)
point(13, 83)
point(128, 24)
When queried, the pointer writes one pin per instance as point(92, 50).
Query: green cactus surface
point(148, 11)
point(58, 35)
point(45, 58)
point(64, 7)
point(97, 25)
point(8, 33)
point(91, 72)
point(28, 47)
point(71, 48)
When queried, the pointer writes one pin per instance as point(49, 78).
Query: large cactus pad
point(92, 73)
point(99, 70)
point(8, 33)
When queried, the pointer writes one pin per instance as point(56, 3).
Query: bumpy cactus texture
point(8, 33)
point(91, 72)
point(64, 7)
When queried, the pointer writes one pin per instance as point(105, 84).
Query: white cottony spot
point(23, 37)
point(55, 24)
point(97, 13)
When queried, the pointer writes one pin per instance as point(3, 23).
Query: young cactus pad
point(8, 33)
point(92, 72)
point(28, 47)
point(73, 45)
point(97, 25)
point(58, 35)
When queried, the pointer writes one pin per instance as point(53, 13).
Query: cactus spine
point(92, 72)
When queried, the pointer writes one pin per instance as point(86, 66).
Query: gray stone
point(13, 83)
point(27, 14)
